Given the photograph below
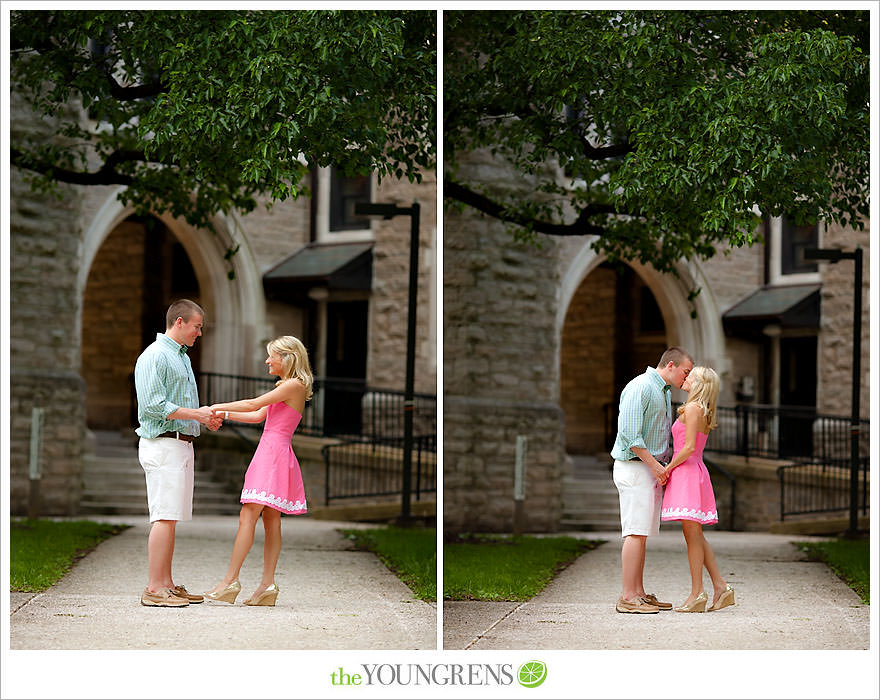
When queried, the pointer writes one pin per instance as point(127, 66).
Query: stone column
point(500, 377)
point(44, 347)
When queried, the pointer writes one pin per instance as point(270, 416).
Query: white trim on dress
point(282, 504)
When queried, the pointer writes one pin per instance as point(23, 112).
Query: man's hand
point(206, 417)
point(660, 472)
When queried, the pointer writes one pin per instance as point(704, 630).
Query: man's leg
point(632, 558)
point(160, 550)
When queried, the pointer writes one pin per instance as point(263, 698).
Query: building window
point(795, 240)
point(345, 192)
point(333, 200)
point(784, 251)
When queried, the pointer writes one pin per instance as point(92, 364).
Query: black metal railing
point(784, 432)
point(810, 488)
point(345, 408)
point(369, 424)
point(797, 433)
point(817, 445)
point(363, 468)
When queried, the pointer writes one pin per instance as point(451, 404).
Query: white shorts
point(641, 498)
point(168, 465)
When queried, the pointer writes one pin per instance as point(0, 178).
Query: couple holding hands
point(170, 419)
point(642, 467)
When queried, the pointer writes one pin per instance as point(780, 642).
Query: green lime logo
point(532, 673)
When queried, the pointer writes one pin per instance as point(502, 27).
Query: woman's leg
point(693, 536)
point(718, 582)
point(271, 547)
point(244, 539)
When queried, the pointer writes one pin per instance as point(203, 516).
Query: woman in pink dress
point(273, 482)
point(689, 496)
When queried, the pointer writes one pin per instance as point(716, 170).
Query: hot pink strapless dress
point(273, 477)
point(689, 494)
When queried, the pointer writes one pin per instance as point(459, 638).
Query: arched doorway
point(613, 329)
point(230, 290)
point(694, 324)
point(140, 268)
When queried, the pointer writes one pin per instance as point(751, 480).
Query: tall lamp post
point(388, 211)
point(833, 255)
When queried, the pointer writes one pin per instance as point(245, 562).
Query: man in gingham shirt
point(169, 420)
point(640, 451)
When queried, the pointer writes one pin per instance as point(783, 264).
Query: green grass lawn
point(42, 551)
point(499, 568)
point(411, 553)
point(849, 559)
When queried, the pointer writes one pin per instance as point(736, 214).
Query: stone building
point(539, 341)
point(90, 282)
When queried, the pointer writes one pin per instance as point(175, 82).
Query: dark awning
point(331, 265)
point(793, 306)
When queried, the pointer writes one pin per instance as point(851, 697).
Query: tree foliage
point(202, 112)
point(666, 130)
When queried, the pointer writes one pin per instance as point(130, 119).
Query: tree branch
point(107, 175)
point(134, 92)
point(605, 152)
point(580, 227)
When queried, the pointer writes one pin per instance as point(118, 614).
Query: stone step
point(590, 501)
point(113, 482)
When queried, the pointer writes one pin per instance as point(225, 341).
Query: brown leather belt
point(177, 436)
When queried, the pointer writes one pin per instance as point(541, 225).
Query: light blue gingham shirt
point(645, 418)
point(164, 381)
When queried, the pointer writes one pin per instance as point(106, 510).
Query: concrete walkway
point(782, 602)
point(332, 596)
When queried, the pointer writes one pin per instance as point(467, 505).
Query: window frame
point(322, 232)
point(775, 275)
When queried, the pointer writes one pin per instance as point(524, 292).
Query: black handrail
point(347, 408)
point(773, 432)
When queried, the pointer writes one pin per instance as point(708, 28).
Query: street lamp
point(833, 255)
point(388, 211)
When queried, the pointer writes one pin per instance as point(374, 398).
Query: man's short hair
point(182, 308)
point(675, 355)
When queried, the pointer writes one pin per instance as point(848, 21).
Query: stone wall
point(756, 487)
point(500, 373)
point(479, 442)
point(834, 359)
point(44, 348)
point(389, 299)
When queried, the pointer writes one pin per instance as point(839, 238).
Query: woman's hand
point(660, 473)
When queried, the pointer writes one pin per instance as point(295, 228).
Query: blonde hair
point(294, 361)
point(704, 392)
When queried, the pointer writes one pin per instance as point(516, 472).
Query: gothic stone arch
point(702, 336)
point(235, 308)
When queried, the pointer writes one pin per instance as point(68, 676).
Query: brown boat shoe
point(181, 592)
point(652, 599)
point(637, 605)
point(164, 598)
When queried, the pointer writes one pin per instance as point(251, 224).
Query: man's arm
point(150, 385)
point(657, 469)
point(631, 426)
point(203, 415)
